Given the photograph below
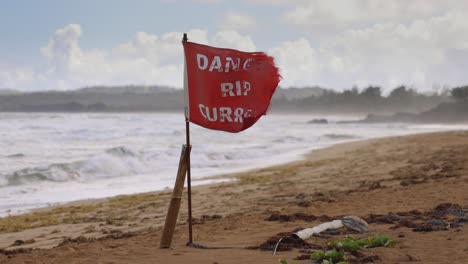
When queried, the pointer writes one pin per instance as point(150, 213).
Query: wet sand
point(412, 189)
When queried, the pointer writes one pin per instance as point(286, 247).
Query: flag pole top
point(185, 38)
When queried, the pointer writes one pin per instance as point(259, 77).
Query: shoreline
point(292, 156)
point(299, 143)
point(347, 178)
point(300, 156)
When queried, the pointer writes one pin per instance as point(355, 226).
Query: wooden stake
point(189, 175)
point(174, 206)
point(189, 184)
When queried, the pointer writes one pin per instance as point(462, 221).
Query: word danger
point(224, 114)
point(221, 65)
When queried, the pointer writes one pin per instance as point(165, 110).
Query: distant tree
point(372, 92)
point(403, 93)
point(399, 92)
point(460, 93)
point(348, 93)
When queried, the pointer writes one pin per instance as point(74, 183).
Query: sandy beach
point(411, 188)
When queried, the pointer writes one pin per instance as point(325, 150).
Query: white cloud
point(12, 77)
point(145, 59)
point(234, 40)
point(419, 54)
point(409, 54)
point(339, 44)
point(63, 43)
point(337, 14)
point(238, 22)
point(298, 62)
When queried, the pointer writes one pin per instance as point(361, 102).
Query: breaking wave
point(114, 162)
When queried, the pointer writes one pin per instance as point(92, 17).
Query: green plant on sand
point(337, 253)
point(350, 243)
point(329, 257)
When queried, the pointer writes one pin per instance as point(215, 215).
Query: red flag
point(227, 89)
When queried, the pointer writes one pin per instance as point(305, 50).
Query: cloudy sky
point(63, 45)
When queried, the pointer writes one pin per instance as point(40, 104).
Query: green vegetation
point(329, 257)
point(350, 243)
point(337, 249)
point(156, 99)
point(364, 101)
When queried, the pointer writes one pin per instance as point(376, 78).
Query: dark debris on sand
point(442, 217)
point(277, 217)
point(288, 242)
point(11, 252)
point(114, 234)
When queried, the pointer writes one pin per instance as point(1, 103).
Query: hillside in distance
point(96, 99)
point(136, 98)
point(131, 98)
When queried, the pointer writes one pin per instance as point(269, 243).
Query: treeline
point(449, 112)
point(163, 99)
point(365, 101)
point(96, 99)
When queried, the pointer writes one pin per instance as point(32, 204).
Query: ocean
point(52, 158)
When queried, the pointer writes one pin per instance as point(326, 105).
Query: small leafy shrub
point(337, 254)
point(329, 257)
point(349, 243)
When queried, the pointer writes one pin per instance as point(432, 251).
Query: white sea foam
point(55, 158)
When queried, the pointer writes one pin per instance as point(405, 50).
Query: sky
point(66, 45)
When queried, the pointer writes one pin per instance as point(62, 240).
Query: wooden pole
point(174, 206)
point(189, 184)
point(189, 176)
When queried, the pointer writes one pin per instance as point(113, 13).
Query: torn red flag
point(227, 89)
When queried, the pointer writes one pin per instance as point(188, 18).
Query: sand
point(412, 189)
